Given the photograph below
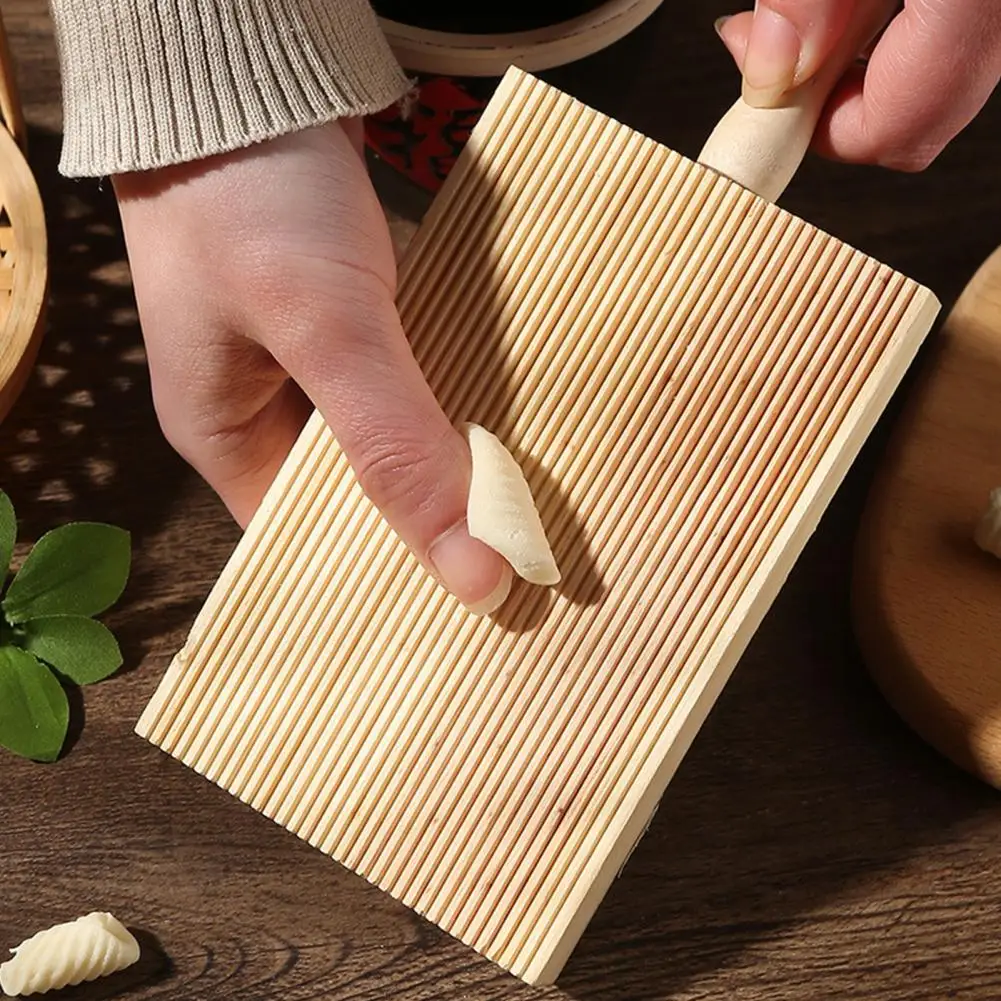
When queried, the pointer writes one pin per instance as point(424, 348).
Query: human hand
point(265, 281)
point(928, 76)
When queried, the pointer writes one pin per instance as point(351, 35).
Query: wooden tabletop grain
point(810, 846)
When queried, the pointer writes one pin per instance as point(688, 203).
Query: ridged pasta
point(987, 534)
point(501, 511)
point(68, 954)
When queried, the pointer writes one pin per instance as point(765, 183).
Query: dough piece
point(68, 954)
point(760, 148)
point(501, 511)
point(987, 534)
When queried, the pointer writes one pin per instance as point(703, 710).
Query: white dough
point(760, 148)
point(501, 511)
point(68, 954)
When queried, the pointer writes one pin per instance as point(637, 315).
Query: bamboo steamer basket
point(23, 243)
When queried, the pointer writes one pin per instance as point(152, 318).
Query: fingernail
point(495, 598)
point(773, 52)
point(471, 570)
point(719, 22)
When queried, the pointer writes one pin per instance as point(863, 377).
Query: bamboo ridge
point(685, 372)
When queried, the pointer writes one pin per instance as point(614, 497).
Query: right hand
point(927, 78)
point(265, 280)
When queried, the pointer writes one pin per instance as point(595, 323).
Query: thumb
point(788, 41)
point(411, 462)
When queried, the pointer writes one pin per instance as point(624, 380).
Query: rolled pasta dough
point(501, 511)
point(67, 954)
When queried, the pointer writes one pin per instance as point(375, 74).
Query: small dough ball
point(501, 511)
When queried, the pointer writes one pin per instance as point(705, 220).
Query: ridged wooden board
point(686, 372)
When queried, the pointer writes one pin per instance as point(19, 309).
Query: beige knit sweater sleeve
point(148, 83)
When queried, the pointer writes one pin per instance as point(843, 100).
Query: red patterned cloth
point(424, 139)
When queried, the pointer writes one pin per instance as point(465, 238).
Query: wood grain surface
point(811, 846)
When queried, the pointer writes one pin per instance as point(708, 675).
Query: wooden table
point(810, 847)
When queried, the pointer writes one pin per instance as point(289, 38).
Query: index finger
point(928, 77)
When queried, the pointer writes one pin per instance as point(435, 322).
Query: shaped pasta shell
point(501, 511)
point(68, 954)
point(988, 531)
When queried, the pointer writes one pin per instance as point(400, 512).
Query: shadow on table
point(82, 442)
point(153, 967)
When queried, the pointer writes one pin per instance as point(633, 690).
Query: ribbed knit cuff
point(148, 83)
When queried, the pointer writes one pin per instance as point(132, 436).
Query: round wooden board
point(926, 600)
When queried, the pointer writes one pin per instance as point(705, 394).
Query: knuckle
point(909, 159)
point(803, 13)
point(178, 441)
point(399, 476)
point(184, 434)
point(348, 311)
point(175, 431)
point(185, 444)
point(904, 143)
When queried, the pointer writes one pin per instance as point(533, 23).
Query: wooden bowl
point(926, 600)
point(23, 245)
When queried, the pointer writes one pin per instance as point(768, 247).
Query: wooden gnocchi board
point(686, 372)
point(927, 600)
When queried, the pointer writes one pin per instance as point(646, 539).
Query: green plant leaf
point(8, 534)
point(34, 711)
point(77, 569)
point(79, 648)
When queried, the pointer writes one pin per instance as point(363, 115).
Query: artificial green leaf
point(34, 711)
point(77, 569)
point(8, 533)
point(77, 647)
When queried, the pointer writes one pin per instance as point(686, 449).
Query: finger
point(928, 77)
point(734, 32)
point(410, 461)
point(788, 42)
point(227, 408)
point(925, 80)
point(240, 461)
